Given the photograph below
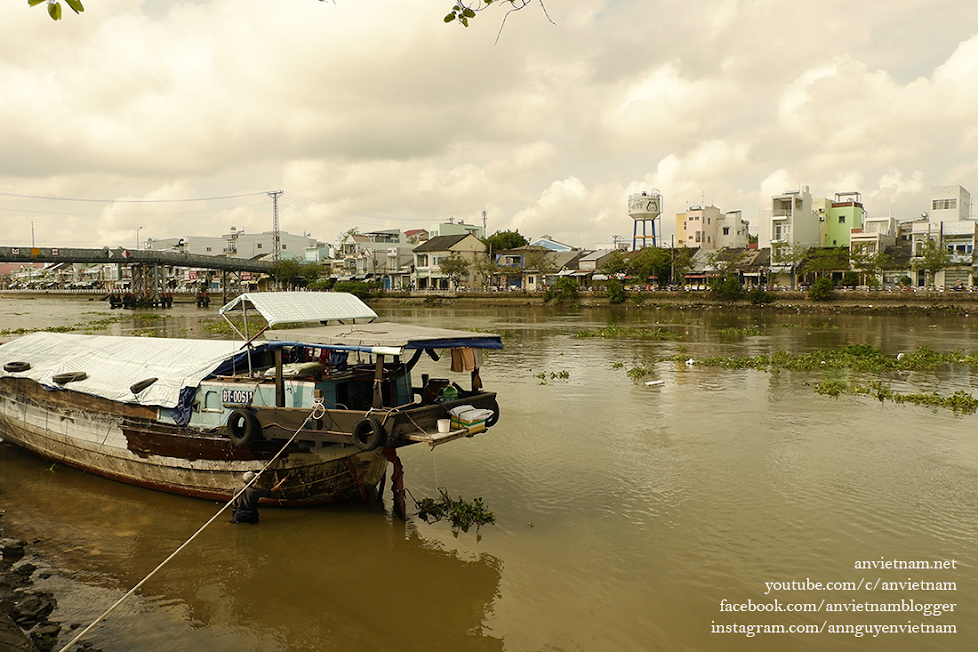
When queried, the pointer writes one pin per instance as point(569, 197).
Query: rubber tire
point(243, 427)
point(135, 388)
point(368, 434)
point(491, 421)
point(17, 367)
point(69, 377)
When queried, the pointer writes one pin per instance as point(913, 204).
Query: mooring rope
point(318, 410)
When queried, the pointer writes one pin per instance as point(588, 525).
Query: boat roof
point(302, 307)
point(114, 363)
point(384, 334)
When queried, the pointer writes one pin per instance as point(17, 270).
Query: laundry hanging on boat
point(466, 359)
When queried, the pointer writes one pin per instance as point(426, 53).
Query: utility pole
point(276, 236)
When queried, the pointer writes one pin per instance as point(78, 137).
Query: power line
point(128, 201)
point(206, 210)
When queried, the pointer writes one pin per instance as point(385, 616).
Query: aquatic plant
point(959, 401)
point(747, 331)
point(461, 513)
point(855, 357)
point(638, 372)
point(611, 332)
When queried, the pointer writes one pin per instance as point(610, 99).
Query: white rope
point(317, 413)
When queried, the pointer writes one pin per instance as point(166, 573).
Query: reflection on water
point(625, 513)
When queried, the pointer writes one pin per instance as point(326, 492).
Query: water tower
point(644, 207)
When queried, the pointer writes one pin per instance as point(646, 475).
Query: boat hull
point(125, 443)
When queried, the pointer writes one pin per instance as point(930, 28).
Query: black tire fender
point(17, 367)
point(243, 427)
point(491, 421)
point(368, 434)
point(135, 388)
point(69, 377)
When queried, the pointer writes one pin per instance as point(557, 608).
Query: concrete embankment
point(853, 301)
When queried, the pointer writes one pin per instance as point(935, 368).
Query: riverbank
point(794, 301)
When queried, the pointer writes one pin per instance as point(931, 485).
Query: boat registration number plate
point(237, 396)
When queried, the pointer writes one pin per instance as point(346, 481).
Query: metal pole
point(276, 238)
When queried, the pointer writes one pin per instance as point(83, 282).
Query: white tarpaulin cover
point(113, 364)
point(407, 336)
point(302, 307)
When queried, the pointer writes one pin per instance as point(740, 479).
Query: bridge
point(148, 275)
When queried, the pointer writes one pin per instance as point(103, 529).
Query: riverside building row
point(795, 223)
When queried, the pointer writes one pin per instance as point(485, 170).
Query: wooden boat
point(191, 416)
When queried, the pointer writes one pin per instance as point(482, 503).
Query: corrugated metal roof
point(302, 307)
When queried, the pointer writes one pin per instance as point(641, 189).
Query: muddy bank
point(24, 609)
point(844, 302)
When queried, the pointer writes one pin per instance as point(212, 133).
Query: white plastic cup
point(444, 425)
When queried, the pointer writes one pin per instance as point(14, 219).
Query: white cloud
point(395, 119)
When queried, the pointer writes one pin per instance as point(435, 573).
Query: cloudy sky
point(376, 114)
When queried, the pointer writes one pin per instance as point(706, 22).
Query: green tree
point(455, 267)
point(615, 291)
point(615, 263)
point(540, 260)
point(54, 7)
point(503, 240)
point(486, 267)
point(822, 260)
point(651, 261)
point(681, 265)
point(932, 259)
point(872, 265)
point(293, 272)
point(564, 289)
point(821, 289)
point(726, 287)
point(784, 254)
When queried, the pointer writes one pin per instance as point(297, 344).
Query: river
point(625, 513)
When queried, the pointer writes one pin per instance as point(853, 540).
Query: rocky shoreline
point(25, 624)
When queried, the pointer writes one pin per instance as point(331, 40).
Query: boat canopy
point(114, 364)
point(403, 336)
point(302, 307)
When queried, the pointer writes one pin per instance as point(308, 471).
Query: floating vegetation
point(635, 373)
point(612, 332)
point(959, 401)
point(98, 324)
point(554, 375)
point(748, 331)
point(461, 513)
point(148, 316)
point(505, 333)
point(855, 357)
point(617, 365)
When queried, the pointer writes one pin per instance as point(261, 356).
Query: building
point(706, 227)
point(429, 255)
point(255, 245)
point(451, 227)
point(837, 218)
point(949, 204)
point(386, 255)
point(191, 244)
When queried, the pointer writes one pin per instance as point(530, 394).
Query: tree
point(821, 289)
point(486, 267)
point(54, 7)
point(872, 265)
point(463, 10)
point(455, 267)
point(651, 261)
point(538, 259)
point(682, 264)
point(820, 260)
point(784, 254)
point(615, 263)
point(565, 289)
point(503, 240)
point(293, 272)
point(932, 259)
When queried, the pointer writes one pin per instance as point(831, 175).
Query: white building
point(949, 204)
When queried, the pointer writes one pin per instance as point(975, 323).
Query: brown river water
point(625, 513)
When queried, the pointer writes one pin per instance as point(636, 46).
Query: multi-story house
point(949, 224)
point(428, 256)
point(386, 255)
point(706, 227)
point(837, 218)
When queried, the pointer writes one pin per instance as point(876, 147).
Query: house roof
point(442, 242)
